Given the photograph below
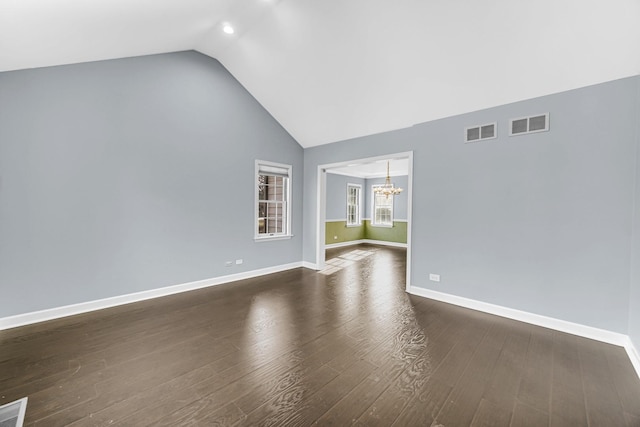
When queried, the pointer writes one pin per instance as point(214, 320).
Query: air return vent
point(480, 132)
point(531, 124)
point(12, 414)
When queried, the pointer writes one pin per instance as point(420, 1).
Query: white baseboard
point(343, 244)
point(536, 319)
point(523, 316)
point(372, 242)
point(310, 265)
point(384, 243)
point(70, 310)
point(634, 355)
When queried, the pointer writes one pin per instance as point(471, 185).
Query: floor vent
point(480, 132)
point(531, 124)
point(12, 414)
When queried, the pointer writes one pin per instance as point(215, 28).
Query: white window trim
point(286, 234)
point(358, 222)
point(373, 209)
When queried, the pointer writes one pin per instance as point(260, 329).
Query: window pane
point(278, 193)
point(353, 205)
point(272, 199)
point(262, 190)
point(383, 209)
point(274, 225)
point(272, 210)
point(272, 187)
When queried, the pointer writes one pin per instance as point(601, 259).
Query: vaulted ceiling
point(330, 70)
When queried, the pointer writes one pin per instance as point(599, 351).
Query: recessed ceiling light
point(228, 29)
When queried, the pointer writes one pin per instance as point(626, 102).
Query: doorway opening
point(349, 213)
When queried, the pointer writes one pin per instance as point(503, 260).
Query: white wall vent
point(480, 132)
point(531, 124)
point(12, 414)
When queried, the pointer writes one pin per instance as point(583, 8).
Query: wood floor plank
point(287, 401)
point(295, 411)
point(504, 383)
point(128, 380)
point(567, 394)
point(467, 393)
point(632, 420)
point(410, 375)
point(528, 416)
point(363, 395)
point(433, 390)
point(228, 415)
point(49, 381)
point(423, 409)
point(491, 414)
point(299, 348)
point(602, 402)
point(311, 376)
point(535, 386)
point(626, 385)
point(164, 398)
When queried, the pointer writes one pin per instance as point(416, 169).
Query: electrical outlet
point(335, 237)
point(239, 261)
point(434, 277)
point(228, 263)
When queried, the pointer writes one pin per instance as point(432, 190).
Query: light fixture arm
point(388, 189)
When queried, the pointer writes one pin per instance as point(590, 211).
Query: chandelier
point(387, 189)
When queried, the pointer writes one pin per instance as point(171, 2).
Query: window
point(382, 209)
point(273, 192)
point(353, 205)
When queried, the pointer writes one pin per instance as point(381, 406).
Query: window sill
point(272, 238)
point(353, 225)
point(382, 225)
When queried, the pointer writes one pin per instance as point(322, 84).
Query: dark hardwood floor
point(341, 347)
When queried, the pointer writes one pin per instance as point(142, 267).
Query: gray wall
point(127, 175)
point(336, 205)
point(540, 222)
point(634, 291)
point(400, 202)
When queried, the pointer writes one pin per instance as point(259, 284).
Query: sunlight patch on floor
point(334, 265)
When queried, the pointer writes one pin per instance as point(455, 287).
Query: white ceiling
point(335, 69)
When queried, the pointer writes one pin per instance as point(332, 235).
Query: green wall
point(343, 233)
point(395, 234)
point(338, 232)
